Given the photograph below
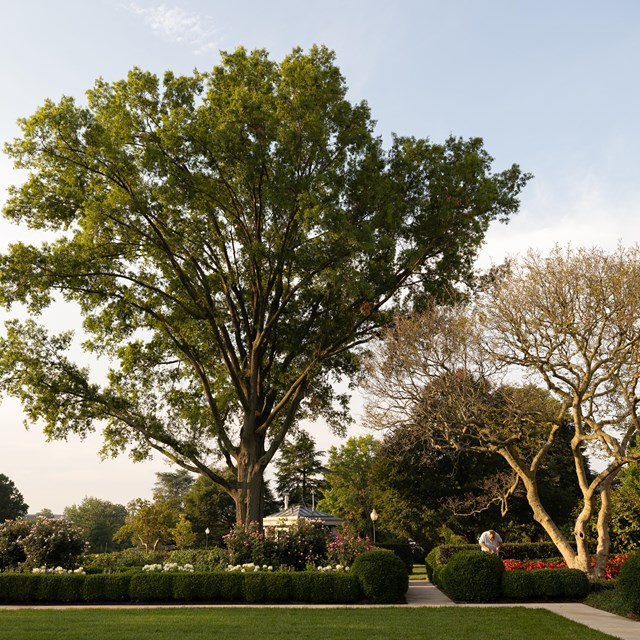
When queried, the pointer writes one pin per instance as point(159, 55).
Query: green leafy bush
point(629, 582)
point(430, 563)
point(18, 587)
point(12, 553)
point(267, 587)
point(53, 542)
point(474, 576)
point(59, 588)
point(545, 583)
point(104, 587)
point(121, 560)
point(151, 587)
point(382, 575)
point(212, 559)
point(403, 551)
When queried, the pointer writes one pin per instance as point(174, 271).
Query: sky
point(550, 85)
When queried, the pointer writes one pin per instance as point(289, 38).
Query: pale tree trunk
point(541, 516)
point(604, 516)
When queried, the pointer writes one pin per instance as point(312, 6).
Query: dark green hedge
point(305, 586)
point(473, 576)
point(382, 575)
point(515, 551)
point(403, 551)
point(629, 582)
point(545, 584)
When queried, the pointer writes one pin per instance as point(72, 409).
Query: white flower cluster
point(169, 566)
point(338, 567)
point(249, 566)
point(58, 570)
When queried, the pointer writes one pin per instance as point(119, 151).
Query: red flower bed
point(611, 571)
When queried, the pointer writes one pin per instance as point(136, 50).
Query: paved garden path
point(424, 594)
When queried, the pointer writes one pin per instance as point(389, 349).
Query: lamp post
point(374, 516)
point(206, 538)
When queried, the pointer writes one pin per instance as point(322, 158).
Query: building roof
point(300, 512)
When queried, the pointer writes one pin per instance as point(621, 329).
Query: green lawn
point(295, 624)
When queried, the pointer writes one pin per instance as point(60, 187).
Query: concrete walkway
point(424, 594)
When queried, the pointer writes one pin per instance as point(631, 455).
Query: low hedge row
point(515, 551)
point(305, 586)
point(476, 576)
point(379, 575)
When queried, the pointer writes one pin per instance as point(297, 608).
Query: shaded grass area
point(294, 624)
point(419, 572)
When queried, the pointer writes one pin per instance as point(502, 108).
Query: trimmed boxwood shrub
point(382, 575)
point(232, 585)
point(575, 583)
point(267, 587)
point(106, 587)
point(629, 582)
point(18, 587)
point(545, 583)
point(59, 588)
point(430, 563)
point(403, 551)
point(151, 587)
point(518, 584)
point(474, 576)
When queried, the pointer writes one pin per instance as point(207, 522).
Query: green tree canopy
point(172, 486)
point(98, 520)
point(299, 469)
point(12, 504)
point(350, 493)
point(230, 239)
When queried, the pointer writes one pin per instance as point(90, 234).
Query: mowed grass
point(296, 624)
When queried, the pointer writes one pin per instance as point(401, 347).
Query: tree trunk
point(604, 516)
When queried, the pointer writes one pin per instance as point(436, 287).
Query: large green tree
point(230, 239)
point(350, 492)
point(98, 520)
point(12, 504)
point(299, 469)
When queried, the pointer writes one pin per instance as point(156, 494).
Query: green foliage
point(59, 588)
point(122, 560)
point(296, 547)
point(267, 587)
point(350, 493)
point(151, 587)
point(12, 551)
point(182, 533)
point(629, 582)
point(208, 506)
point(12, 504)
point(441, 554)
point(344, 549)
point(172, 486)
point(98, 520)
point(18, 587)
point(382, 575)
point(200, 559)
point(53, 542)
point(148, 524)
point(403, 551)
point(103, 587)
point(298, 469)
point(545, 583)
point(473, 576)
point(238, 225)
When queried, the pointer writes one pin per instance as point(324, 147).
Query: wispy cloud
point(177, 25)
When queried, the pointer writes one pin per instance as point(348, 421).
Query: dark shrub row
point(378, 575)
point(403, 551)
point(545, 583)
point(629, 582)
point(476, 576)
point(515, 551)
point(311, 586)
